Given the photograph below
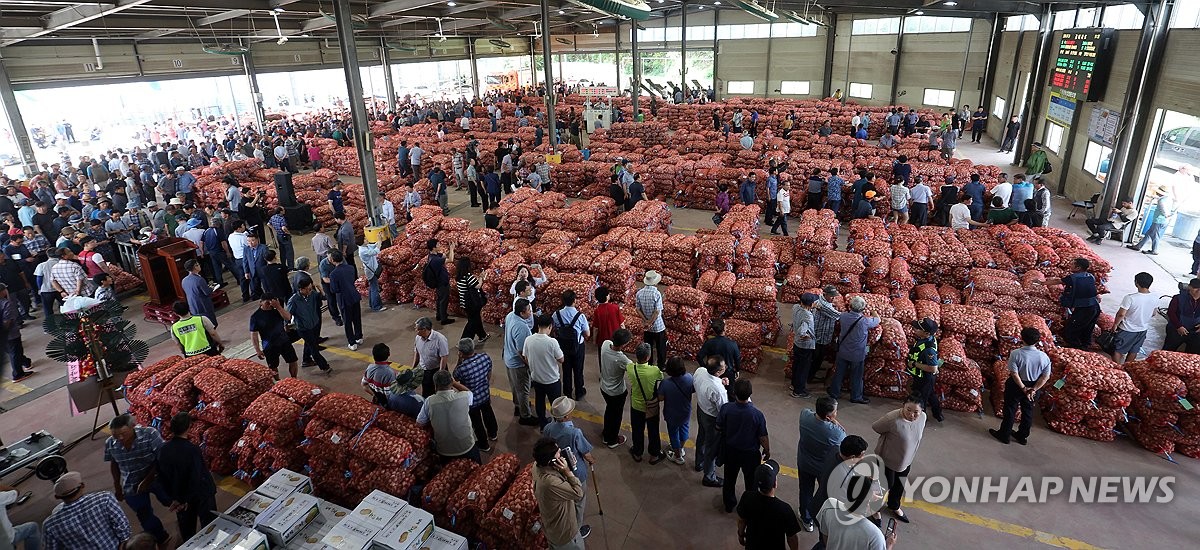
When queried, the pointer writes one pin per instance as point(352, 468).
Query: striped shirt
point(475, 373)
point(824, 318)
point(67, 274)
point(137, 460)
point(94, 522)
point(649, 300)
point(464, 283)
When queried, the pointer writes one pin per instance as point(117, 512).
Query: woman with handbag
point(644, 405)
point(471, 299)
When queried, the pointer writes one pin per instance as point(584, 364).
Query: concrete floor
point(664, 505)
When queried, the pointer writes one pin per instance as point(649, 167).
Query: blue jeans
point(1153, 234)
point(28, 533)
point(373, 298)
point(287, 253)
point(220, 262)
point(855, 369)
point(141, 505)
point(678, 434)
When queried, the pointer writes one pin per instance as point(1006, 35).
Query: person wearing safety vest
point(922, 365)
point(195, 334)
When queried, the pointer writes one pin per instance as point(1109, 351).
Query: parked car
point(1179, 147)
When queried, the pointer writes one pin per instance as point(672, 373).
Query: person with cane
point(575, 447)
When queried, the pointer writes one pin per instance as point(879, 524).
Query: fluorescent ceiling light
point(451, 4)
point(950, 3)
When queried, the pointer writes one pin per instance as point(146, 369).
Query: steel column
point(385, 59)
point(256, 98)
point(16, 122)
point(1036, 94)
point(993, 58)
point(770, 40)
point(1138, 104)
point(637, 66)
point(716, 56)
point(551, 119)
point(683, 83)
point(362, 128)
point(533, 60)
point(474, 67)
point(617, 55)
point(830, 44)
point(896, 60)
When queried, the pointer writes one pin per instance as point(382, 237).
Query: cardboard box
point(441, 539)
point(249, 508)
point(287, 517)
point(331, 513)
point(283, 483)
point(377, 509)
point(224, 534)
point(349, 535)
point(407, 531)
point(310, 537)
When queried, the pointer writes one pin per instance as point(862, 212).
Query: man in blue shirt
point(491, 184)
point(975, 189)
point(335, 198)
point(1021, 190)
point(772, 196)
point(852, 350)
point(131, 452)
point(516, 330)
point(748, 191)
point(744, 429)
point(573, 355)
point(185, 183)
point(1079, 296)
point(833, 191)
point(402, 159)
point(820, 435)
point(341, 283)
point(437, 263)
point(474, 370)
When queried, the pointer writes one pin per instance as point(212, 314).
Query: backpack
point(565, 333)
point(475, 299)
point(1047, 168)
point(429, 276)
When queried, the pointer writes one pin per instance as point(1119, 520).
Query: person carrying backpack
point(571, 329)
point(437, 277)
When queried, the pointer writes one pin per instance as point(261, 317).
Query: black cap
point(926, 324)
point(765, 475)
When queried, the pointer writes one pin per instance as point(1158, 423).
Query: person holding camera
point(558, 491)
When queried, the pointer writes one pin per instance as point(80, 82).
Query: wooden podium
point(162, 268)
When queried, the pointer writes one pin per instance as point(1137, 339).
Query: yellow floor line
point(935, 509)
point(15, 388)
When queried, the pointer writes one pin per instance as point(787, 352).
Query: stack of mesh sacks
point(815, 234)
point(584, 178)
point(884, 373)
point(436, 493)
point(496, 285)
point(754, 300)
point(1163, 417)
point(353, 447)
point(646, 215)
point(995, 290)
point(478, 494)
point(679, 260)
point(647, 249)
point(686, 315)
point(843, 270)
point(519, 215)
point(937, 256)
point(1087, 394)
point(589, 218)
point(216, 389)
point(749, 338)
point(515, 521)
point(960, 379)
point(614, 269)
point(396, 280)
point(719, 287)
point(1008, 338)
point(800, 278)
point(274, 427)
point(715, 252)
point(755, 258)
point(426, 222)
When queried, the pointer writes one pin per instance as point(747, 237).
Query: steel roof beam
point(69, 17)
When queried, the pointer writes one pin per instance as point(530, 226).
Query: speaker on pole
point(284, 189)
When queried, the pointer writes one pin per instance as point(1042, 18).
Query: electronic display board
point(1083, 62)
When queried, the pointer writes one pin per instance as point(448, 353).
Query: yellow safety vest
point(914, 357)
point(190, 332)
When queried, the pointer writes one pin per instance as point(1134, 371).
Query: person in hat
point(84, 520)
point(474, 370)
point(158, 216)
point(131, 452)
point(922, 365)
point(865, 208)
point(851, 350)
point(404, 398)
point(764, 521)
point(448, 412)
point(571, 441)
point(804, 343)
point(558, 492)
point(649, 303)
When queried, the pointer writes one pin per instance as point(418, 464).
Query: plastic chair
point(1089, 206)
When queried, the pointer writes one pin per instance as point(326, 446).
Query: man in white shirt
point(842, 529)
point(414, 159)
point(237, 247)
point(281, 157)
point(387, 211)
point(1003, 190)
point(711, 393)
point(960, 214)
point(545, 358)
point(921, 195)
point(1133, 319)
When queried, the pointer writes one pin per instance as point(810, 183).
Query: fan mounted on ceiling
point(225, 49)
point(357, 21)
point(499, 43)
point(632, 9)
point(501, 24)
point(563, 41)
